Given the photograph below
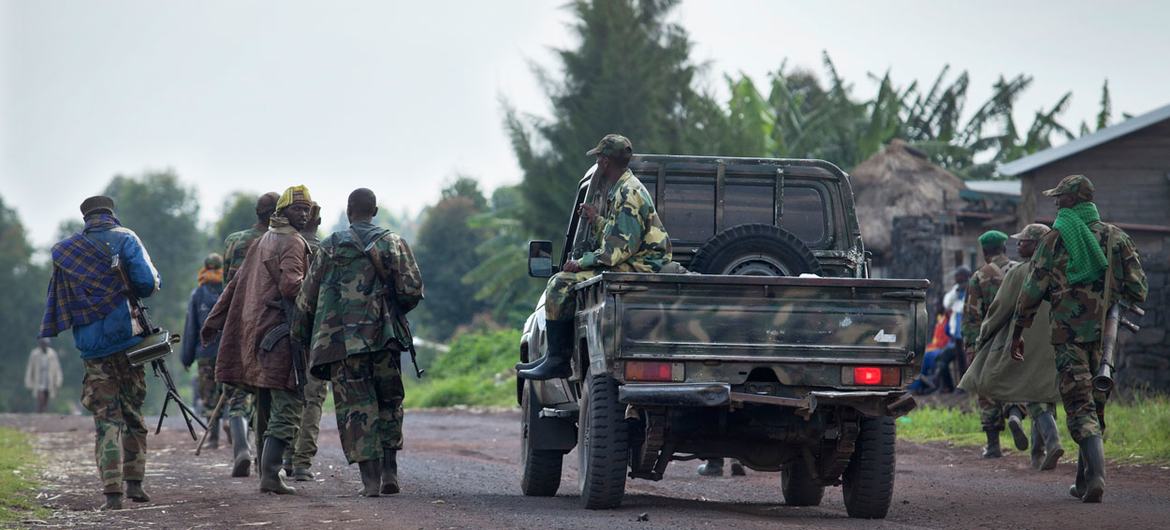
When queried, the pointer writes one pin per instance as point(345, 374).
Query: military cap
point(213, 261)
point(1077, 185)
point(992, 238)
point(96, 203)
point(613, 146)
point(1032, 232)
point(293, 195)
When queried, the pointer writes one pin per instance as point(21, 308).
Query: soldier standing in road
point(631, 239)
point(299, 456)
point(202, 299)
point(87, 295)
point(348, 323)
point(253, 313)
point(239, 409)
point(1082, 266)
point(981, 289)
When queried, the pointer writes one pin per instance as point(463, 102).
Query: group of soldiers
point(273, 320)
point(1035, 330)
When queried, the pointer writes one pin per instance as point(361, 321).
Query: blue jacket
point(114, 333)
point(203, 298)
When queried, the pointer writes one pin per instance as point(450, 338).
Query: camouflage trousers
point(208, 390)
point(993, 414)
point(301, 452)
point(559, 303)
point(239, 402)
point(1084, 408)
point(114, 392)
point(367, 393)
point(278, 415)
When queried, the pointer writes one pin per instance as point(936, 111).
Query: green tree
point(238, 213)
point(23, 284)
point(501, 276)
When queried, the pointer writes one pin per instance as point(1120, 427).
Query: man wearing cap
point(87, 295)
point(630, 239)
point(202, 299)
point(981, 289)
point(995, 377)
point(1081, 267)
point(255, 350)
point(239, 408)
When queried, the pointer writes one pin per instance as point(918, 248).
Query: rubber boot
point(113, 502)
point(529, 365)
point(1094, 469)
point(1016, 426)
point(992, 449)
point(286, 465)
point(1037, 446)
point(371, 471)
point(1078, 489)
point(389, 471)
point(242, 463)
point(135, 492)
point(560, 346)
point(270, 481)
point(302, 474)
point(1050, 433)
point(737, 469)
point(213, 435)
point(713, 467)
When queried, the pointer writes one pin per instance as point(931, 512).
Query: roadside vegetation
point(17, 482)
point(476, 371)
point(1138, 429)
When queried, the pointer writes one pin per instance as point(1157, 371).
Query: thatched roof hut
point(899, 181)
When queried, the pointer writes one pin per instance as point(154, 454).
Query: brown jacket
point(248, 309)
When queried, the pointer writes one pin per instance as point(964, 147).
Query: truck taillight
point(654, 371)
point(867, 375)
point(871, 375)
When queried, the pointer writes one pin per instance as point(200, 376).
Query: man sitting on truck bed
point(631, 239)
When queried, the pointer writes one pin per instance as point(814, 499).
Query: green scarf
point(1086, 261)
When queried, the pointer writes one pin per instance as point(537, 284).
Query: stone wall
point(916, 251)
point(1144, 361)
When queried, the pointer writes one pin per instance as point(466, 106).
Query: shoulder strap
point(372, 254)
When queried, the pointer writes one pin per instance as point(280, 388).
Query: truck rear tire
point(868, 483)
point(755, 250)
point(602, 443)
point(798, 485)
point(541, 469)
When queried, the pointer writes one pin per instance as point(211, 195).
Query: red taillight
point(867, 375)
point(649, 371)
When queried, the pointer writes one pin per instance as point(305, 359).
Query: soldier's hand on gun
point(588, 211)
point(571, 266)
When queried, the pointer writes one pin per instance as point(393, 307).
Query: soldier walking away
point(239, 409)
point(1081, 267)
point(299, 456)
point(42, 374)
point(87, 294)
point(994, 376)
point(361, 282)
point(202, 299)
point(631, 238)
point(253, 314)
point(981, 289)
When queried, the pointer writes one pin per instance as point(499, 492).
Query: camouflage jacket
point(981, 291)
point(1078, 311)
point(632, 236)
point(341, 310)
point(237, 245)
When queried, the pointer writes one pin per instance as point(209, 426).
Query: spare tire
point(755, 250)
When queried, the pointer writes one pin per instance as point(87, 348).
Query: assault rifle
point(407, 338)
point(156, 345)
point(281, 331)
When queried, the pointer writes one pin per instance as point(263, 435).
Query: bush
point(477, 371)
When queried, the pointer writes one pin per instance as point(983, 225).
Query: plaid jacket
point(83, 289)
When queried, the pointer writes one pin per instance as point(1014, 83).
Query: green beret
point(993, 238)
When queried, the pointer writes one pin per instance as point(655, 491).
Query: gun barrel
point(1103, 381)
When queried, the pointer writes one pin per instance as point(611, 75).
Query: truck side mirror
point(540, 261)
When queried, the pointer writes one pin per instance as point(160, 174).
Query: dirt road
point(460, 471)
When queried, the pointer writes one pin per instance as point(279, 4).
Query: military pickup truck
point(775, 349)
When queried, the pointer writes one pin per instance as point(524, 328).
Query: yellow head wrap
point(293, 195)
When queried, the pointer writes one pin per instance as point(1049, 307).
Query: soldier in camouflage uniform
point(1081, 266)
point(299, 456)
point(352, 332)
point(630, 239)
point(239, 408)
point(981, 289)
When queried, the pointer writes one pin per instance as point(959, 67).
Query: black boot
point(1050, 433)
point(1016, 426)
point(560, 347)
point(389, 471)
point(242, 463)
point(1037, 445)
point(135, 492)
point(992, 449)
point(113, 502)
point(371, 471)
point(737, 469)
point(1078, 489)
point(529, 365)
point(1094, 469)
point(713, 467)
point(270, 480)
point(213, 435)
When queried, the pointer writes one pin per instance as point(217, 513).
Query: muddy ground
point(460, 470)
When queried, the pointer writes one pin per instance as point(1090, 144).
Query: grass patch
point(476, 371)
point(1138, 429)
point(17, 478)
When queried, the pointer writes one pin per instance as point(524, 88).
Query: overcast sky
point(399, 96)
